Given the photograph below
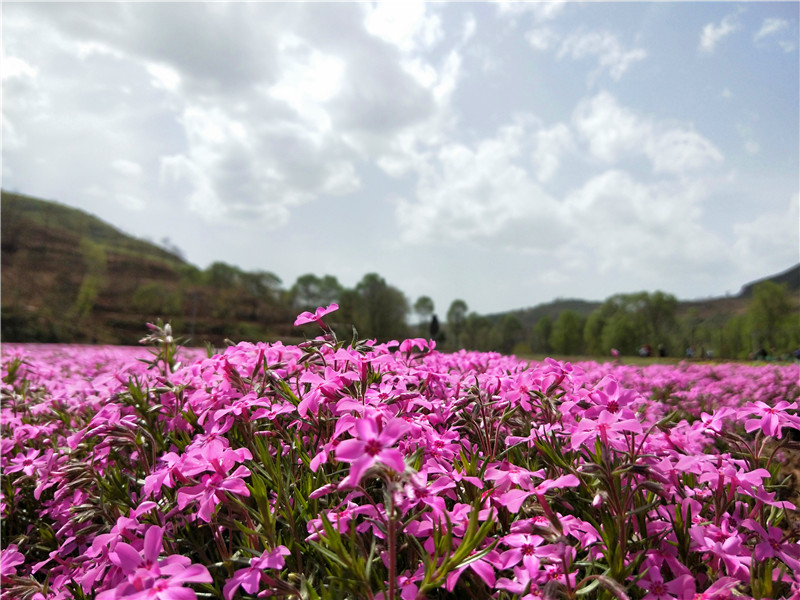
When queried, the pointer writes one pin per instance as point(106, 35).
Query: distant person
point(661, 351)
point(434, 328)
point(761, 354)
point(690, 352)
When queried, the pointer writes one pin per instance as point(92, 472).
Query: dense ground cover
point(364, 470)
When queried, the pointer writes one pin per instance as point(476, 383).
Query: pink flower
point(588, 429)
point(771, 419)
point(522, 549)
point(213, 487)
point(655, 586)
point(771, 545)
point(315, 317)
point(373, 444)
point(9, 559)
point(685, 588)
point(250, 578)
point(27, 463)
point(151, 578)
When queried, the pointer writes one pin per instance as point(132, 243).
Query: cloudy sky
point(505, 154)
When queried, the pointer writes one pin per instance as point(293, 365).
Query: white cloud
point(551, 145)
point(164, 77)
point(646, 229)
point(538, 11)
point(749, 141)
point(611, 55)
point(771, 238)
point(769, 27)
point(85, 50)
point(127, 168)
point(477, 194)
point(130, 202)
point(713, 33)
point(470, 27)
point(308, 79)
point(614, 132)
point(14, 67)
point(542, 38)
point(677, 151)
point(610, 129)
point(407, 25)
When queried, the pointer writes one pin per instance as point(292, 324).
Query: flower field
point(332, 470)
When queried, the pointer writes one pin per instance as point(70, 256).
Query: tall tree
point(567, 334)
point(311, 291)
point(541, 335)
point(769, 311)
point(424, 308)
point(380, 310)
point(456, 315)
point(593, 333)
point(511, 332)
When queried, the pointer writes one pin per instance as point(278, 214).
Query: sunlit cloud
point(714, 33)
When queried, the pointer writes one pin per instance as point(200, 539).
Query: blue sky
point(503, 153)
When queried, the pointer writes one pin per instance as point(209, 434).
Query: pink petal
point(152, 544)
point(392, 458)
point(350, 450)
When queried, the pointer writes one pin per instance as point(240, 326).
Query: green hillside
point(67, 276)
point(19, 212)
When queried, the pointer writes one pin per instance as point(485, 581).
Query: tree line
point(644, 323)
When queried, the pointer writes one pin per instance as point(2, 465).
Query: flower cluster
point(385, 471)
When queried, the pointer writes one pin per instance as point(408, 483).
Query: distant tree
point(622, 333)
point(423, 307)
point(222, 275)
point(659, 313)
point(380, 310)
point(456, 315)
point(477, 333)
point(94, 278)
point(567, 335)
point(261, 284)
point(191, 275)
point(736, 339)
point(593, 333)
point(511, 332)
point(311, 291)
point(769, 311)
point(154, 300)
point(540, 341)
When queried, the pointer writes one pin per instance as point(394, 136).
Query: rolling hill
point(67, 276)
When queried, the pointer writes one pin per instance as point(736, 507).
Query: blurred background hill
point(69, 277)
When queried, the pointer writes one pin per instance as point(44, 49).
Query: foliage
point(376, 309)
point(456, 315)
point(310, 291)
point(769, 312)
point(567, 335)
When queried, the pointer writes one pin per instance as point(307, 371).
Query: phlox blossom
point(606, 422)
point(770, 419)
point(315, 317)
point(249, 578)
point(373, 444)
point(10, 557)
point(149, 577)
